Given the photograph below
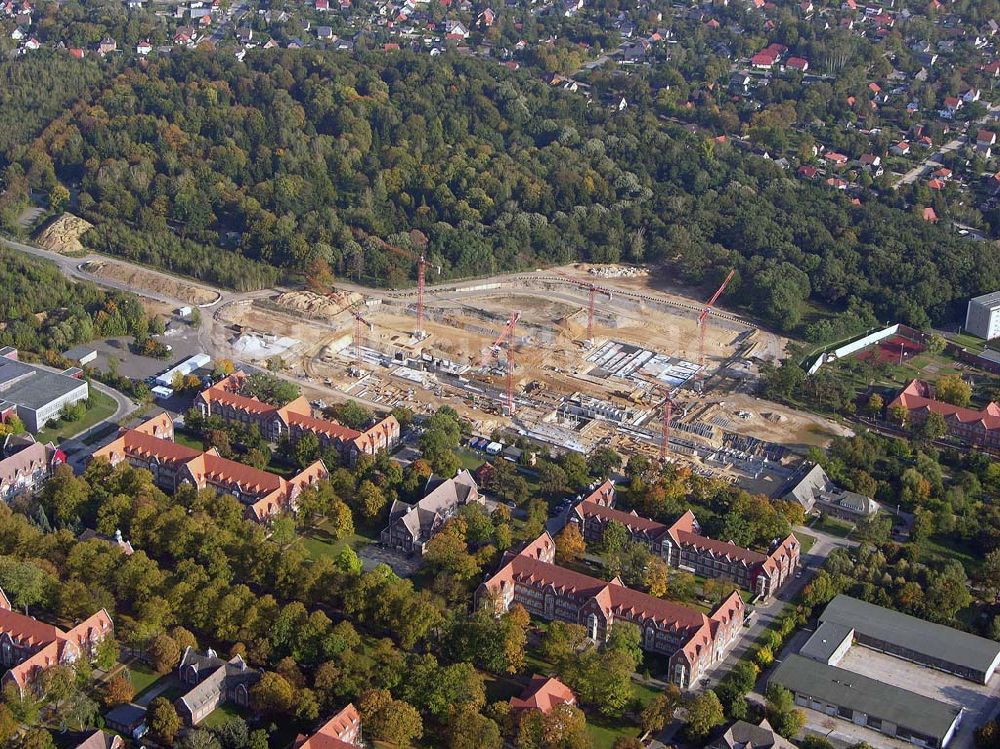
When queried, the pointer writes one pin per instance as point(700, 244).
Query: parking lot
point(182, 338)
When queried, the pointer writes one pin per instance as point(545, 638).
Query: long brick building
point(28, 647)
point(150, 445)
point(964, 424)
point(692, 641)
point(226, 400)
point(682, 546)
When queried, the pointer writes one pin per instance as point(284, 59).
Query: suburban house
point(342, 731)
point(744, 735)
point(293, 420)
point(212, 681)
point(543, 693)
point(150, 446)
point(28, 646)
point(968, 425)
point(682, 546)
point(25, 465)
point(692, 641)
point(412, 526)
point(101, 740)
point(34, 394)
point(813, 489)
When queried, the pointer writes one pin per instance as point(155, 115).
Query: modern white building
point(983, 316)
point(186, 367)
point(35, 394)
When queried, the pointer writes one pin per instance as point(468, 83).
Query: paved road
point(767, 614)
point(933, 161)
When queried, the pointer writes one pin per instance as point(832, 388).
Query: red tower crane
point(668, 412)
point(359, 322)
point(506, 337)
point(703, 318)
point(420, 297)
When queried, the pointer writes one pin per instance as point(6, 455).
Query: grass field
point(806, 540)
point(938, 549)
point(101, 407)
point(143, 677)
point(223, 714)
point(832, 526)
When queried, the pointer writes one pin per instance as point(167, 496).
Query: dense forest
point(290, 159)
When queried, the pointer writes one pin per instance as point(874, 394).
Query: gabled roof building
point(28, 646)
point(150, 446)
point(968, 425)
point(212, 681)
point(816, 492)
point(682, 546)
point(226, 400)
point(26, 464)
point(342, 731)
point(692, 641)
point(412, 526)
point(543, 693)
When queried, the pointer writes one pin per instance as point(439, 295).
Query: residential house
point(951, 106)
point(342, 731)
point(813, 489)
point(412, 526)
point(143, 48)
point(900, 149)
point(128, 720)
point(543, 694)
point(28, 646)
point(986, 138)
point(25, 465)
point(150, 446)
point(871, 164)
point(102, 740)
point(294, 420)
point(808, 172)
point(744, 735)
point(835, 159)
point(797, 63)
point(682, 546)
point(693, 642)
point(212, 682)
point(107, 46)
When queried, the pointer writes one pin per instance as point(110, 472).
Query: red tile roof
point(917, 397)
point(544, 694)
point(330, 734)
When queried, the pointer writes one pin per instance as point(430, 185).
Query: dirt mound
point(140, 280)
point(315, 305)
point(63, 234)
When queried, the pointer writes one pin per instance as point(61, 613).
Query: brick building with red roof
point(226, 400)
point(342, 731)
point(692, 641)
point(150, 446)
point(682, 546)
point(28, 647)
point(543, 693)
point(967, 425)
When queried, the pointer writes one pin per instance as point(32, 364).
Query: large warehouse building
point(36, 395)
point(888, 709)
point(982, 318)
point(847, 620)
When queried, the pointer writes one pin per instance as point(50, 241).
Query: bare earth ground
point(63, 234)
point(140, 280)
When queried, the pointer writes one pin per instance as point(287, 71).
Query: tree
point(781, 712)
point(570, 545)
point(37, 738)
point(163, 721)
point(953, 389)
point(198, 738)
point(118, 690)
point(704, 713)
point(370, 501)
point(306, 449)
point(656, 578)
point(989, 576)
point(660, 710)
point(616, 536)
point(934, 427)
point(390, 720)
point(164, 654)
point(470, 730)
point(898, 414)
point(875, 404)
point(272, 694)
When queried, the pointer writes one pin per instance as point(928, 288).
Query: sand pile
point(63, 234)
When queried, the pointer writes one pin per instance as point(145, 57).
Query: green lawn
point(223, 714)
point(832, 526)
point(101, 407)
point(470, 458)
point(806, 540)
point(320, 543)
point(188, 440)
point(143, 677)
point(941, 549)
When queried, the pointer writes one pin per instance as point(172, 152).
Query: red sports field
point(889, 350)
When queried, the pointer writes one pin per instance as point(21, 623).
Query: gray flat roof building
point(881, 707)
point(37, 394)
point(935, 645)
point(828, 643)
point(982, 317)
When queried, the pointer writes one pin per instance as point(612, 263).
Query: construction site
point(575, 357)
